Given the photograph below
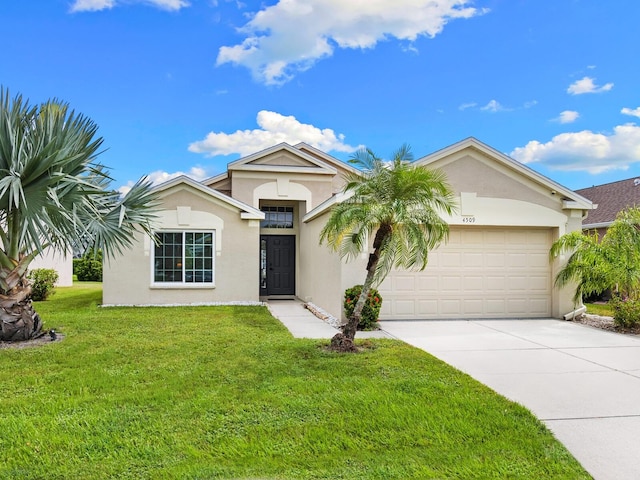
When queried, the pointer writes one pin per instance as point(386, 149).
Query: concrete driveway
point(583, 383)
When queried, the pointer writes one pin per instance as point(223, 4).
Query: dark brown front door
point(277, 264)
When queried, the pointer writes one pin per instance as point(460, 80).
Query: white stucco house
point(252, 233)
point(63, 264)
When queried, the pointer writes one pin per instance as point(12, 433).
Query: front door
point(277, 265)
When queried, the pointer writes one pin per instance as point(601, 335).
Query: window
point(277, 217)
point(263, 264)
point(183, 257)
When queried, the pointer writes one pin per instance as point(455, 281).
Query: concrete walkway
point(304, 324)
point(583, 383)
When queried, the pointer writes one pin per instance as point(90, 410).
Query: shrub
point(89, 267)
point(626, 312)
point(371, 310)
point(42, 282)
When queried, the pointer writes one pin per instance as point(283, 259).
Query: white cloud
point(96, 5)
point(587, 85)
point(633, 112)
point(567, 116)
point(493, 106)
point(159, 176)
point(274, 129)
point(585, 150)
point(290, 36)
point(465, 106)
point(91, 5)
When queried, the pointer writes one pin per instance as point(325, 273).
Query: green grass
point(226, 392)
point(602, 309)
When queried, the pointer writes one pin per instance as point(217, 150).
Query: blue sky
point(190, 85)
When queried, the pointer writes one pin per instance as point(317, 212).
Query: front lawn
point(226, 392)
point(602, 309)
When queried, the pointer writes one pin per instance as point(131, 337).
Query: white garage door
point(480, 273)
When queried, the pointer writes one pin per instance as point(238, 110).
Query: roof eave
point(577, 201)
point(326, 205)
point(247, 211)
point(328, 158)
point(216, 178)
point(589, 226)
point(328, 170)
point(242, 163)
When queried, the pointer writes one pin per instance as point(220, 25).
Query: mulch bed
point(36, 342)
point(605, 323)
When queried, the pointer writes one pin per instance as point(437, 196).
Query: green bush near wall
point(89, 267)
point(626, 312)
point(371, 310)
point(43, 281)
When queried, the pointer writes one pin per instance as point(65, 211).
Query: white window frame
point(269, 209)
point(184, 284)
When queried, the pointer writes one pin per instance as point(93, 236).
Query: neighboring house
point(252, 233)
point(610, 199)
point(63, 264)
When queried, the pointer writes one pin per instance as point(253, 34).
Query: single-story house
point(252, 233)
point(610, 198)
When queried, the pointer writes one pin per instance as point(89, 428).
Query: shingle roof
point(611, 198)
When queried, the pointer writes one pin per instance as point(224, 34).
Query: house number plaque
point(469, 219)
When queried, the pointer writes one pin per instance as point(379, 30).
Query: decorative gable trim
point(317, 166)
point(247, 212)
point(576, 201)
point(326, 157)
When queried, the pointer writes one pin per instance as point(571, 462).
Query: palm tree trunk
point(343, 342)
point(350, 328)
point(18, 319)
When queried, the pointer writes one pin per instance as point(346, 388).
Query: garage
point(496, 262)
point(482, 272)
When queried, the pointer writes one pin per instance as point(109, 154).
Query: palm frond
point(408, 198)
point(53, 193)
point(611, 263)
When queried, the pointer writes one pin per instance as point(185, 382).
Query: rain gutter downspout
point(576, 313)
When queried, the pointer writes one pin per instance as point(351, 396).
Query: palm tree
point(53, 195)
point(597, 265)
point(398, 205)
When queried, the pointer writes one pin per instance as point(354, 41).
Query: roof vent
point(636, 182)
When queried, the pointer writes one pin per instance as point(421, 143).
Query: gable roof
point(319, 162)
point(216, 178)
point(247, 212)
point(610, 198)
point(572, 200)
point(326, 205)
point(313, 164)
point(333, 161)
